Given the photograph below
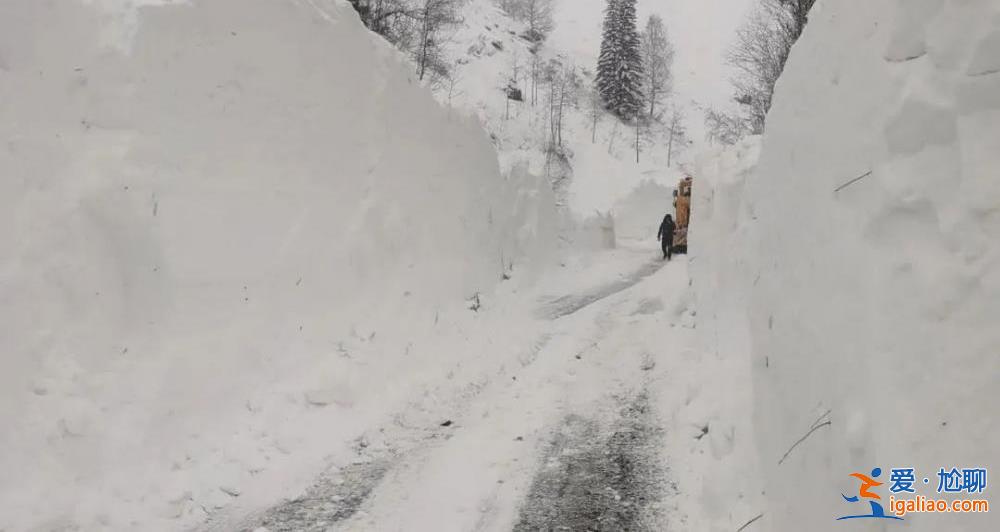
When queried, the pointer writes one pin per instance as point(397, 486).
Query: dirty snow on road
point(598, 422)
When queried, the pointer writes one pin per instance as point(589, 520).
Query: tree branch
point(815, 426)
point(750, 522)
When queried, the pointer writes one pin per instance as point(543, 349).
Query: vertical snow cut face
point(873, 256)
point(198, 213)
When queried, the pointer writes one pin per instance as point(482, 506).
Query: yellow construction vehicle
point(682, 214)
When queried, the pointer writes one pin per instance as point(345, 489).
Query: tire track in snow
point(616, 461)
point(339, 493)
point(570, 304)
point(597, 478)
point(333, 498)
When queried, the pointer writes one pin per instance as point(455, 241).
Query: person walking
point(666, 237)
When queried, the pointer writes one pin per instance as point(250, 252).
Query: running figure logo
point(868, 482)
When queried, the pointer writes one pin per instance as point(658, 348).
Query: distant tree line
point(536, 15)
point(418, 27)
point(632, 81)
point(762, 47)
point(634, 73)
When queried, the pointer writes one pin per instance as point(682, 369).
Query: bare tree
point(763, 45)
point(433, 17)
point(596, 109)
point(638, 137)
point(676, 133)
point(646, 133)
point(536, 64)
point(616, 125)
point(723, 128)
point(393, 19)
point(535, 14)
point(568, 94)
point(416, 27)
point(657, 58)
point(511, 7)
point(563, 83)
point(538, 17)
point(799, 11)
point(513, 90)
point(451, 84)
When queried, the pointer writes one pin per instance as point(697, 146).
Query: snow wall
point(198, 200)
point(872, 304)
point(730, 485)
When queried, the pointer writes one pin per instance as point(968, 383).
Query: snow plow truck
point(682, 214)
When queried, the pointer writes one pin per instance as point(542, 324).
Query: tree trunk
point(426, 32)
point(562, 101)
point(552, 115)
point(637, 138)
point(593, 130)
point(422, 58)
point(534, 80)
point(670, 147)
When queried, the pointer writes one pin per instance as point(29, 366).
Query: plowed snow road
point(570, 438)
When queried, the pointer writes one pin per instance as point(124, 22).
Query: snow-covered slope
point(598, 170)
point(870, 303)
point(599, 177)
point(203, 207)
point(700, 30)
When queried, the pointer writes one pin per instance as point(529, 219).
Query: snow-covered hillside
point(860, 259)
point(488, 50)
point(700, 30)
point(208, 211)
point(599, 177)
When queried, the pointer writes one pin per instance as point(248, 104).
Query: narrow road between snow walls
point(581, 431)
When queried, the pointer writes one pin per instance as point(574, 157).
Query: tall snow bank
point(874, 306)
point(196, 200)
point(728, 481)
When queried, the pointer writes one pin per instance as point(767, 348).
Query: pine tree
point(619, 66)
point(606, 80)
point(630, 65)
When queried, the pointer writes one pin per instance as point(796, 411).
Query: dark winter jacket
point(666, 229)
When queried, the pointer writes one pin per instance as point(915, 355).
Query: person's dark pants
point(667, 246)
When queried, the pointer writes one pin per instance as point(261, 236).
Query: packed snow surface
point(585, 400)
